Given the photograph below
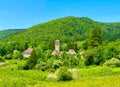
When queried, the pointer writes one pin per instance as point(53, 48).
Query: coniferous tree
point(72, 44)
point(32, 61)
point(95, 38)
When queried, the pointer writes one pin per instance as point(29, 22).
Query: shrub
point(89, 58)
point(85, 44)
point(64, 75)
point(1, 59)
point(17, 54)
point(114, 62)
point(81, 63)
point(8, 56)
point(57, 64)
point(22, 66)
point(42, 66)
point(94, 56)
point(70, 61)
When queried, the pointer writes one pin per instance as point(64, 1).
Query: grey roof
point(27, 52)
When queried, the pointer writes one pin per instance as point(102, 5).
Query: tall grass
point(11, 76)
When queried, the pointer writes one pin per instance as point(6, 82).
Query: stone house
point(27, 53)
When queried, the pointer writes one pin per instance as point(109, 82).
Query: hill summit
point(76, 28)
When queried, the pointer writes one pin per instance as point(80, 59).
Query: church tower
point(57, 46)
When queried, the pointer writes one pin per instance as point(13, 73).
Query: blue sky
point(26, 13)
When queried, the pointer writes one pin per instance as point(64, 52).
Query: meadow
point(91, 76)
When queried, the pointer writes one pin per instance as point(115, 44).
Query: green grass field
point(93, 76)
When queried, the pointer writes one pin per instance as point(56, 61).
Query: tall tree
point(31, 61)
point(95, 38)
point(71, 44)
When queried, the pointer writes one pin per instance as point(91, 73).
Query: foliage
point(2, 59)
point(114, 62)
point(8, 56)
point(2, 49)
point(64, 75)
point(89, 57)
point(112, 50)
point(64, 47)
point(70, 60)
point(17, 55)
point(99, 54)
point(57, 64)
point(85, 44)
point(31, 61)
point(42, 66)
point(63, 29)
point(95, 37)
point(100, 76)
point(5, 33)
point(12, 77)
point(74, 33)
point(71, 44)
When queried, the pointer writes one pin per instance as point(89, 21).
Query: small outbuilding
point(27, 53)
point(71, 51)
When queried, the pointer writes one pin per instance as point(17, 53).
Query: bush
point(2, 59)
point(8, 56)
point(81, 63)
point(57, 64)
point(70, 61)
point(89, 58)
point(94, 56)
point(114, 62)
point(42, 66)
point(22, 66)
point(17, 55)
point(64, 75)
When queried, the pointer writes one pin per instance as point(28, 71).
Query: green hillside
point(73, 32)
point(69, 27)
point(5, 33)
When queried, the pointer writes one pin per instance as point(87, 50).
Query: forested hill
point(64, 28)
point(5, 33)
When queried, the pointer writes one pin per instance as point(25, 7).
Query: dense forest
point(99, 42)
point(8, 32)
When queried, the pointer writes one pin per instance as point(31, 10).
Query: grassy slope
point(87, 77)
